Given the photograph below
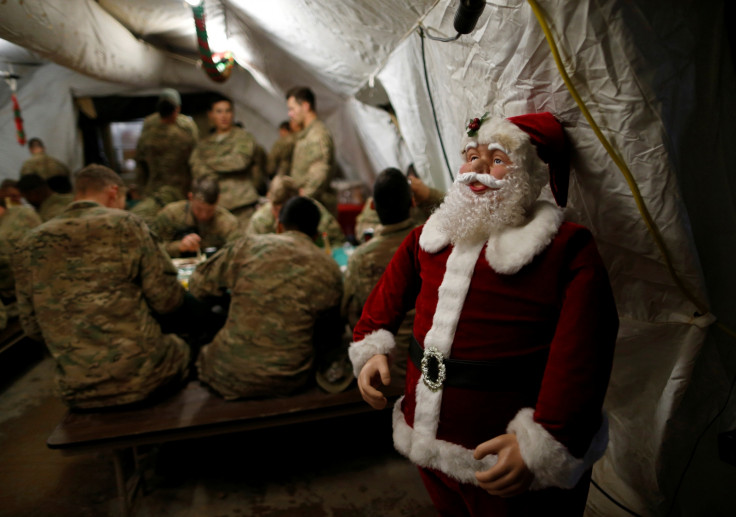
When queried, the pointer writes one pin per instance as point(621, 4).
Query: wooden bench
point(194, 412)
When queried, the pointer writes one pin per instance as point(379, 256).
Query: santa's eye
point(497, 161)
point(473, 158)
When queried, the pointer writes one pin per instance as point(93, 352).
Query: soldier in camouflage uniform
point(393, 201)
point(149, 207)
point(313, 159)
point(42, 164)
point(228, 155)
point(196, 223)
point(279, 158)
point(86, 284)
point(283, 288)
point(15, 222)
point(164, 146)
point(426, 199)
point(283, 188)
point(47, 203)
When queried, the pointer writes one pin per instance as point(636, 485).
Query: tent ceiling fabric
point(651, 73)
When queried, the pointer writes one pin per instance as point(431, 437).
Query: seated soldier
point(37, 192)
point(10, 193)
point(425, 197)
point(196, 223)
point(285, 297)
point(281, 190)
point(87, 283)
point(393, 202)
point(15, 222)
point(149, 207)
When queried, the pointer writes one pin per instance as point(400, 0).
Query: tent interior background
point(657, 77)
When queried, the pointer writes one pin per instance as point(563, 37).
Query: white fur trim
point(512, 248)
point(380, 341)
point(427, 451)
point(549, 460)
point(515, 247)
point(450, 300)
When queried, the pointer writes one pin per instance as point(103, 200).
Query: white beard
point(467, 217)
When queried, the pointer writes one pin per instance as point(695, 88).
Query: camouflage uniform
point(280, 285)
point(279, 158)
point(162, 154)
point(365, 267)
point(86, 284)
point(148, 208)
point(368, 217)
point(263, 221)
point(45, 166)
point(229, 157)
point(313, 164)
point(54, 205)
point(14, 224)
point(176, 220)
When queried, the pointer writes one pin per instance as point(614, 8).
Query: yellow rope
point(651, 226)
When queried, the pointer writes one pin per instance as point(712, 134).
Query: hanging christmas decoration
point(10, 78)
point(218, 65)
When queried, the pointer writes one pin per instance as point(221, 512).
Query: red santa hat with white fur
point(535, 142)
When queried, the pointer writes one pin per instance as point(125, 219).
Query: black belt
point(517, 373)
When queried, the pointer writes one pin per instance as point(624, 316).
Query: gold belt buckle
point(429, 354)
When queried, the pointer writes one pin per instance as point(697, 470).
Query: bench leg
point(120, 480)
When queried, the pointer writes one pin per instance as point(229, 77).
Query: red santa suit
point(529, 291)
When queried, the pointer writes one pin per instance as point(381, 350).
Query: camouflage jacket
point(280, 285)
point(365, 267)
point(230, 158)
point(86, 283)
point(279, 158)
point(148, 208)
point(14, 224)
point(263, 221)
point(54, 205)
point(313, 164)
point(162, 154)
point(176, 220)
point(45, 166)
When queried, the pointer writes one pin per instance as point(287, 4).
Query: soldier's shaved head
point(206, 189)
point(96, 178)
point(300, 214)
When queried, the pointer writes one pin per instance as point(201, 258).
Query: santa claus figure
point(513, 336)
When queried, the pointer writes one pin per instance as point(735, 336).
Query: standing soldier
point(163, 149)
point(313, 160)
point(279, 158)
point(228, 154)
point(41, 163)
point(87, 284)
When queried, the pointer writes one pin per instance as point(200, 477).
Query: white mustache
point(486, 179)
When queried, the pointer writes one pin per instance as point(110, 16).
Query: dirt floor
point(337, 468)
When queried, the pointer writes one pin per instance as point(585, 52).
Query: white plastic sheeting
point(653, 75)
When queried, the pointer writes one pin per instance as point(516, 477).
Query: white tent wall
point(658, 81)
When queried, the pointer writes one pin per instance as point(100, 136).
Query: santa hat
point(542, 130)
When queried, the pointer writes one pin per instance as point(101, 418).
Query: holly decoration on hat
point(474, 124)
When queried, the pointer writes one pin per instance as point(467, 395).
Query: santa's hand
point(510, 475)
point(374, 374)
point(190, 242)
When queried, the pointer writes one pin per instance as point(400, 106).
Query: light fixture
point(466, 17)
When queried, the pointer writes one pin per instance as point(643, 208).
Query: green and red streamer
point(217, 65)
point(20, 134)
